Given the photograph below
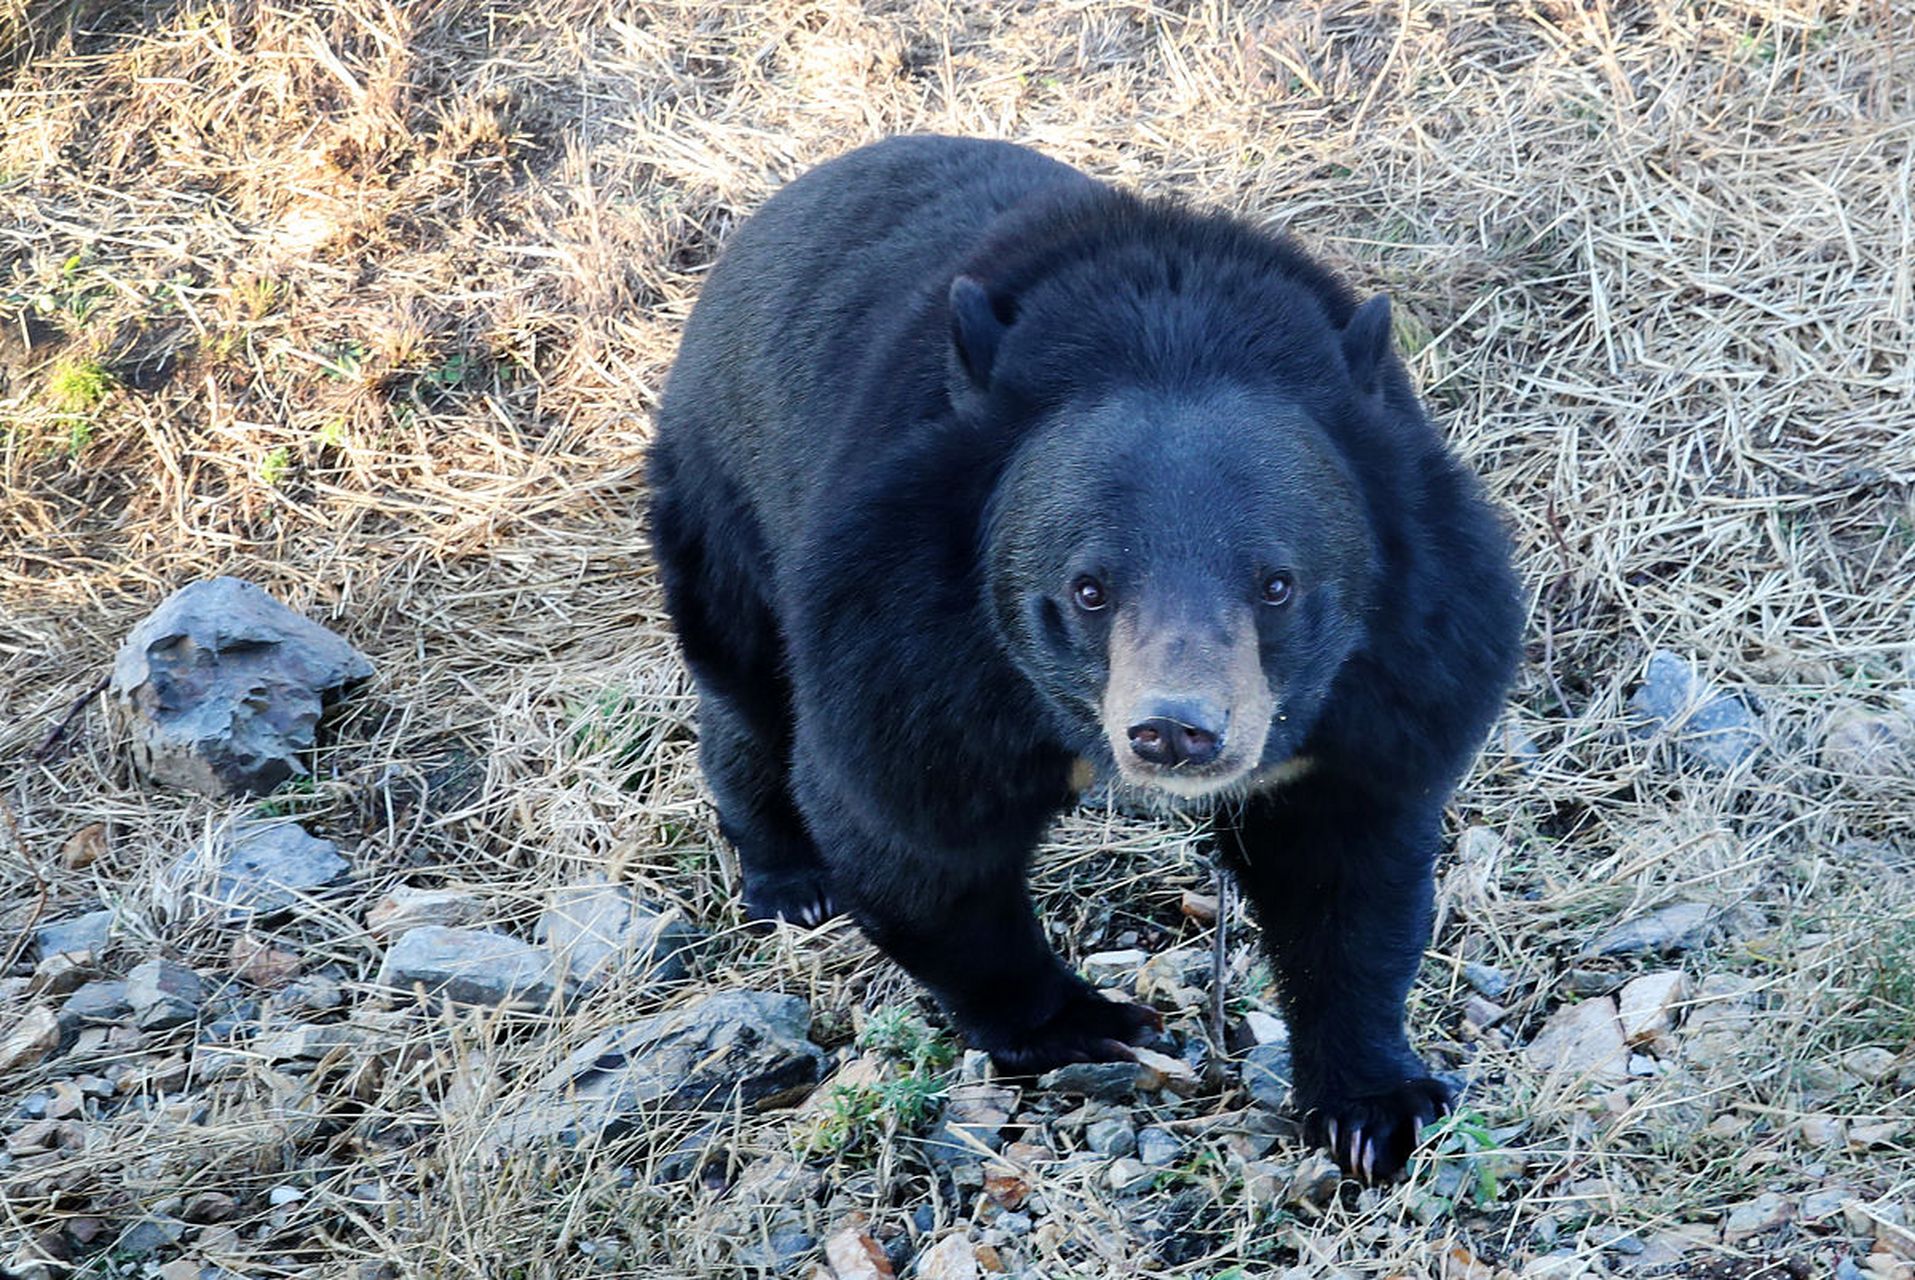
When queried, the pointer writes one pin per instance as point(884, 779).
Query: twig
point(45, 750)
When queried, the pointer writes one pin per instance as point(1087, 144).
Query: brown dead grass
point(387, 290)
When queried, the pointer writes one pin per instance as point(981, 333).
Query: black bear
point(972, 471)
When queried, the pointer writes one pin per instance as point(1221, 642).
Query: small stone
point(180, 1269)
point(732, 1049)
point(1711, 728)
point(1647, 1005)
point(163, 994)
point(1158, 1146)
point(597, 929)
point(1114, 968)
point(1161, 1071)
point(1112, 1136)
point(256, 961)
point(1006, 1188)
point(282, 1195)
point(65, 1101)
point(1751, 1218)
point(1825, 1204)
point(307, 1041)
point(1266, 1028)
point(33, 1035)
point(221, 688)
point(1315, 1181)
point(318, 992)
point(951, 1258)
point(85, 935)
point(148, 1236)
point(470, 966)
point(1128, 1175)
point(1883, 1133)
point(84, 847)
point(209, 1206)
point(259, 868)
point(853, 1255)
point(1267, 1073)
point(1201, 907)
point(1681, 926)
point(1872, 751)
point(406, 908)
point(973, 1122)
point(1481, 1013)
point(1107, 1081)
point(1582, 983)
point(1583, 1043)
point(1491, 981)
point(1871, 1062)
point(60, 973)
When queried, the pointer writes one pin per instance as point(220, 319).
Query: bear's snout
point(1185, 735)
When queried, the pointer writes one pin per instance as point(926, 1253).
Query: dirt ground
point(369, 303)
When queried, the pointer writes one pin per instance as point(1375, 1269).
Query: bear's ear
point(978, 321)
point(1366, 341)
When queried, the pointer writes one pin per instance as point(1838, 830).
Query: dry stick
point(1219, 959)
point(52, 740)
point(19, 945)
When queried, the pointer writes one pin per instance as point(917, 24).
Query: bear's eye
point(1278, 588)
point(1089, 593)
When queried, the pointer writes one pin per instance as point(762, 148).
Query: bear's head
point(1179, 565)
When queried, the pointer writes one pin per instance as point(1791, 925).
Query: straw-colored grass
point(369, 302)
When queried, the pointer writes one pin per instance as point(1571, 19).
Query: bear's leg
point(961, 922)
point(744, 759)
point(1342, 884)
point(732, 646)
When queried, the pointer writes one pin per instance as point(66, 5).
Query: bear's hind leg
point(732, 646)
point(745, 761)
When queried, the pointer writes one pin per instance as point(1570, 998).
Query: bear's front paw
point(1085, 1028)
point(801, 897)
point(1371, 1135)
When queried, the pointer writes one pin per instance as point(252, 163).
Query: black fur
point(925, 386)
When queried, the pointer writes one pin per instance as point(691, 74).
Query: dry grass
point(368, 302)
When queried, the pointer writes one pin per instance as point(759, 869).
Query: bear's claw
point(1371, 1136)
point(1087, 1028)
point(796, 897)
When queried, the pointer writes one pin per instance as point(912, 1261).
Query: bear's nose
point(1174, 740)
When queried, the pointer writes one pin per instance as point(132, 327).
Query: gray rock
point(87, 934)
point(1845, 1269)
point(1267, 1073)
point(471, 966)
point(1751, 1218)
point(260, 868)
point(221, 688)
point(101, 1001)
point(1128, 1176)
point(598, 929)
point(1710, 727)
point(972, 1122)
point(1681, 926)
point(1114, 968)
point(1111, 1136)
point(148, 1236)
point(163, 994)
point(1491, 981)
point(408, 908)
point(747, 1049)
point(1582, 1043)
point(28, 1039)
point(1873, 751)
point(1106, 1081)
point(307, 1041)
point(1157, 1146)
